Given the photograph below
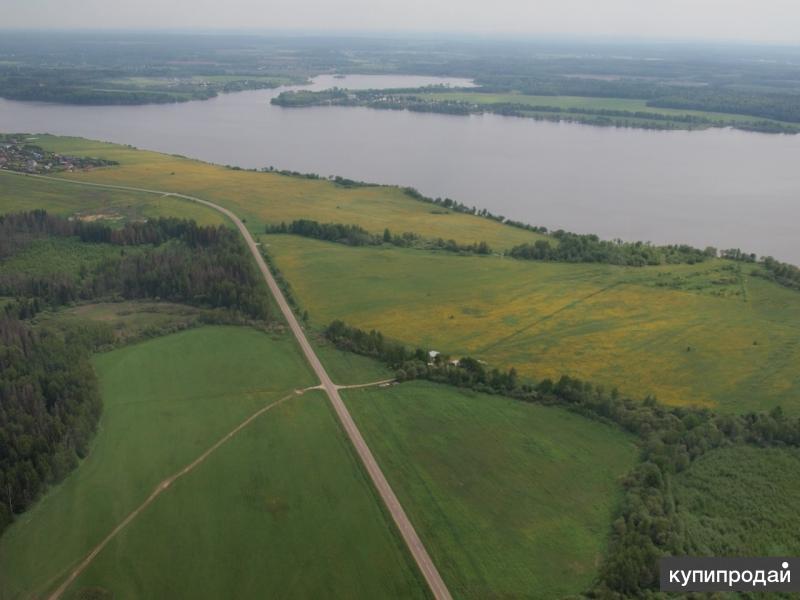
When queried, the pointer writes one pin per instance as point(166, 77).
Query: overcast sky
point(744, 20)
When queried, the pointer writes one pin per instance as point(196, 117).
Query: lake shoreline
point(719, 187)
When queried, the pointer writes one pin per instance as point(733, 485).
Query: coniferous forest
point(167, 259)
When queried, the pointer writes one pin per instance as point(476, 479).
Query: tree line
point(49, 409)
point(571, 247)
point(648, 525)
point(778, 106)
point(773, 104)
point(355, 235)
point(17, 229)
point(166, 258)
point(574, 247)
point(780, 272)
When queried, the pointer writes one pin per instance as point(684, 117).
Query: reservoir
point(717, 187)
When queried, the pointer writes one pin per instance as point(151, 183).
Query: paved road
point(401, 520)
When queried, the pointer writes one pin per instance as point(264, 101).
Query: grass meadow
point(272, 198)
point(128, 320)
point(709, 334)
point(113, 206)
point(285, 499)
point(347, 368)
point(512, 500)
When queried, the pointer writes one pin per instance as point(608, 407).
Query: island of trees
point(444, 100)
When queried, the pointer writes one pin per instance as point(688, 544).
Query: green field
point(282, 507)
point(512, 500)
point(271, 198)
point(346, 368)
point(708, 334)
point(69, 200)
point(584, 102)
point(742, 501)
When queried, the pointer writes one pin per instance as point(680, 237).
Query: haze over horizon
point(769, 21)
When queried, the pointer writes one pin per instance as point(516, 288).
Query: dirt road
point(160, 488)
point(401, 520)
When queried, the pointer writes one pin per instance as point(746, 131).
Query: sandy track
point(366, 385)
point(161, 488)
point(401, 520)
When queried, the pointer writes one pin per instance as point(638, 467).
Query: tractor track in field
point(161, 488)
point(570, 305)
point(404, 526)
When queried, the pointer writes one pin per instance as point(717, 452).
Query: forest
point(670, 439)
point(169, 259)
point(125, 69)
point(136, 68)
point(49, 408)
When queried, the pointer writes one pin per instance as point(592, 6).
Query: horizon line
point(464, 35)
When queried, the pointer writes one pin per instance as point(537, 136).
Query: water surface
point(717, 187)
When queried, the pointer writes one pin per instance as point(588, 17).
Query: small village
point(18, 153)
